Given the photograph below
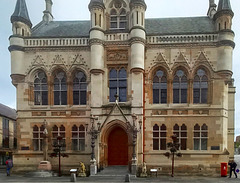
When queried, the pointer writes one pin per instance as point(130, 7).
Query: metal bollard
point(73, 177)
point(127, 178)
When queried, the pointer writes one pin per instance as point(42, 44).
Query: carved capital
point(97, 71)
point(96, 41)
point(17, 78)
point(137, 70)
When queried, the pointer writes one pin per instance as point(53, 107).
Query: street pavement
point(115, 178)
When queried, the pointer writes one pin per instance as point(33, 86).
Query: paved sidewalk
point(104, 179)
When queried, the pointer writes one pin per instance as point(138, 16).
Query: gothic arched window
point(60, 89)
point(181, 132)
point(200, 87)
point(78, 138)
point(59, 131)
point(180, 86)
point(118, 85)
point(79, 89)
point(38, 138)
point(160, 88)
point(118, 16)
point(40, 89)
point(200, 137)
point(159, 137)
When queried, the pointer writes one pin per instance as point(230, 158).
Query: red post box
point(224, 169)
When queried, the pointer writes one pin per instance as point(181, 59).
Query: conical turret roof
point(96, 3)
point(142, 2)
point(21, 13)
point(224, 5)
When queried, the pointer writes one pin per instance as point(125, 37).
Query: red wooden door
point(118, 147)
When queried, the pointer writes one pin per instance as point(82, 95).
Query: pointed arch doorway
point(118, 147)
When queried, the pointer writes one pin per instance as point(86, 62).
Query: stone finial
point(47, 17)
point(212, 8)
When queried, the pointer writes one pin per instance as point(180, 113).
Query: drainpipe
point(144, 116)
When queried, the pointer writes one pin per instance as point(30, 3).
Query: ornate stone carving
point(119, 55)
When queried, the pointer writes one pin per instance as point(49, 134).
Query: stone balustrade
point(182, 39)
point(58, 42)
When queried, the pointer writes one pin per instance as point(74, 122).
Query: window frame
point(180, 87)
point(39, 93)
point(5, 133)
point(38, 139)
point(119, 18)
point(161, 138)
point(200, 137)
point(118, 80)
point(159, 88)
point(200, 89)
point(59, 133)
point(80, 90)
point(60, 94)
point(179, 135)
point(78, 138)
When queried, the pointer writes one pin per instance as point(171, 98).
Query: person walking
point(233, 166)
point(9, 165)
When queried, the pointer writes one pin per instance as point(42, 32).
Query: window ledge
point(122, 104)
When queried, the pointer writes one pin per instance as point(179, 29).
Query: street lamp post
point(174, 148)
point(58, 152)
point(45, 140)
point(93, 131)
point(134, 130)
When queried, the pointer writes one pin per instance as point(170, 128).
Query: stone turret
point(21, 24)
point(96, 7)
point(137, 41)
point(47, 17)
point(223, 24)
point(97, 37)
point(212, 8)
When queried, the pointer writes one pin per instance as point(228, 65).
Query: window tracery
point(79, 89)
point(118, 84)
point(200, 87)
point(118, 15)
point(40, 89)
point(60, 89)
point(160, 88)
point(180, 87)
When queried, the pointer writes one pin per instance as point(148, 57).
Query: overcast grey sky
point(78, 10)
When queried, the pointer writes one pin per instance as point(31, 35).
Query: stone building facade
point(174, 74)
point(8, 133)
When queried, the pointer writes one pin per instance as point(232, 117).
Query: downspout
point(144, 116)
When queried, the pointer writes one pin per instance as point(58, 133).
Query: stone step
point(117, 171)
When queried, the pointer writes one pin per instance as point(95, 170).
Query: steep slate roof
point(185, 25)
point(62, 29)
point(158, 26)
point(21, 13)
point(8, 112)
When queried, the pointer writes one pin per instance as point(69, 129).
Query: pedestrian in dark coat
point(9, 165)
point(233, 166)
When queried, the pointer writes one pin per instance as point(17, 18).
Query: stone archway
point(113, 133)
point(118, 147)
